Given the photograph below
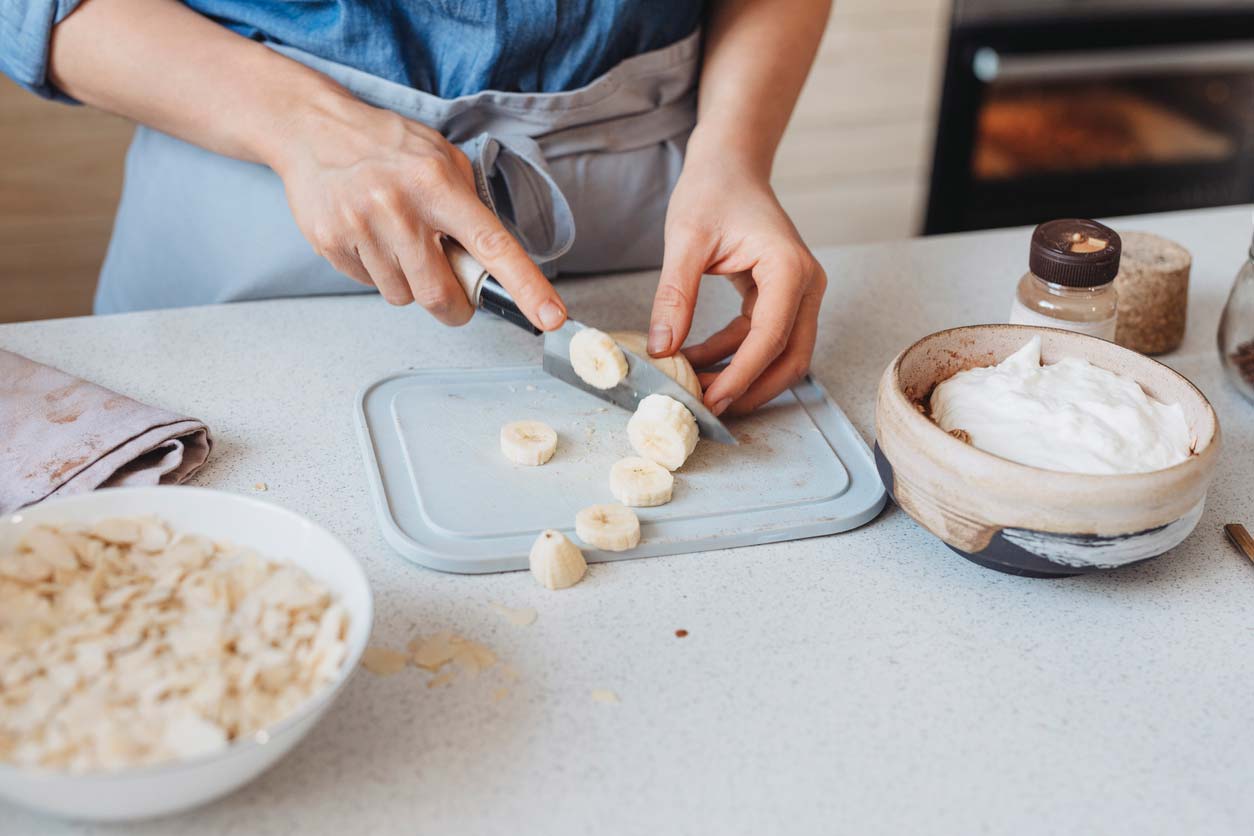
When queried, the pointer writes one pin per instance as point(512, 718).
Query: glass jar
point(1070, 283)
point(1089, 310)
point(1236, 330)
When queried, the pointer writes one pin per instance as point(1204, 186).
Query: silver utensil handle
point(989, 65)
point(482, 289)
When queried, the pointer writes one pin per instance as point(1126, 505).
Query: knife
point(643, 378)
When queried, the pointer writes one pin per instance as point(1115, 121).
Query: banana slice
point(676, 367)
point(640, 482)
point(612, 527)
point(663, 430)
point(597, 359)
point(555, 561)
point(528, 442)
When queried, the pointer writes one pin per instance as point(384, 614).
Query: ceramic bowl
point(274, 532)
point(1025, 520)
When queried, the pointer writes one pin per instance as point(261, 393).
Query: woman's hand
point(723, 217)
point(727, 222)
point(375, 192)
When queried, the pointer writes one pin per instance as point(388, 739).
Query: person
point(296, 148)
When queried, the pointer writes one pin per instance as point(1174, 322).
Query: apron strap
point(623, 133)
point(513, 179)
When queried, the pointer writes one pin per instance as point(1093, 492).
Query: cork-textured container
point(1025, 520)
point(1153, 290)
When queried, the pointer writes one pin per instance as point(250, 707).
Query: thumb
point(683, 262)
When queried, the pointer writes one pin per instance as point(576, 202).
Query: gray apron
point(194, 227)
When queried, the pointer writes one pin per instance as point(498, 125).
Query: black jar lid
point(1075, 253)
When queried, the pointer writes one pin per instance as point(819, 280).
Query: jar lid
point(1075, 252)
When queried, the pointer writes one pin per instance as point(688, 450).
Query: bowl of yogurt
point(1042, 452)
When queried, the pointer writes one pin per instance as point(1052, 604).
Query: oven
point(1092, 108)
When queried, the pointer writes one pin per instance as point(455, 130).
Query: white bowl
point(275, 533)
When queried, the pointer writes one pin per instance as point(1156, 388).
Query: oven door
point(1093, 120)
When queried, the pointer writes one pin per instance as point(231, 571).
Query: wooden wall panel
point(853, 166)
point(60, 176)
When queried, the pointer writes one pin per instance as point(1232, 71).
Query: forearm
point(757, 55)
point(163, 65)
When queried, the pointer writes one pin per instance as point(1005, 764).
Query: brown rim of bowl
point(895, 369)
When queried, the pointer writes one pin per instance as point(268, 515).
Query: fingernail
point(551, 315)
point(721, 406)
point(659, 338)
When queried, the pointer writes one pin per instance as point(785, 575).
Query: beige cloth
point(60, 435)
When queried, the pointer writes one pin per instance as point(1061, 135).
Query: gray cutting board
point(448, 499)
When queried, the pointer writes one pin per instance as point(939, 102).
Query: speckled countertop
point(867, 682)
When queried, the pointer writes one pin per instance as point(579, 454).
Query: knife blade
point(643, 378)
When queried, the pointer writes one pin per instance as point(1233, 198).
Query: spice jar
point(1070, 281)
point(1236, 330)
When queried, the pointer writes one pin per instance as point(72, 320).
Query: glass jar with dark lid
point(1070, 281)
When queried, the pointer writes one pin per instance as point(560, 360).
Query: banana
point(555, 561)
point(612, 527)
point(662, 429)
point(528, 442)
point(597, 359)
point(640, 482)
point(675, 367)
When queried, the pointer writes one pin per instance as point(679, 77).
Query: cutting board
point(448, 499)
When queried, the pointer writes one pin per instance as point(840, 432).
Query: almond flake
point(522, 617)
point(383, 661)
point(153, 536)
point(118, 531)
point(441, 679)
point(50, 547)
point(473, 657)
point(25, 567)
point(433, 653)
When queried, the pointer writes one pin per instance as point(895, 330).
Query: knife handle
point(482, 289)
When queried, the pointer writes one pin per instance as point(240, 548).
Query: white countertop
point(868, 682)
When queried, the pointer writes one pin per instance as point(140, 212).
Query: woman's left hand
point(725, 223)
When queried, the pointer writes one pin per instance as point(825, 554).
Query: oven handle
point(989, 65)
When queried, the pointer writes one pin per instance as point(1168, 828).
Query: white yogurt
point(1070, 416)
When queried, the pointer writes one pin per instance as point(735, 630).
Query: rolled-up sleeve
point(25, 33)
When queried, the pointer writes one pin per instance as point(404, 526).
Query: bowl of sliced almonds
point(160, 647)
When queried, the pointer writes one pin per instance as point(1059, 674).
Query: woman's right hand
point(375, 192)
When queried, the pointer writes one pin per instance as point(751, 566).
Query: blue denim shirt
point(446, 47)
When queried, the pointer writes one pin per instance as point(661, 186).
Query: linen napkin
point(61, 435)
